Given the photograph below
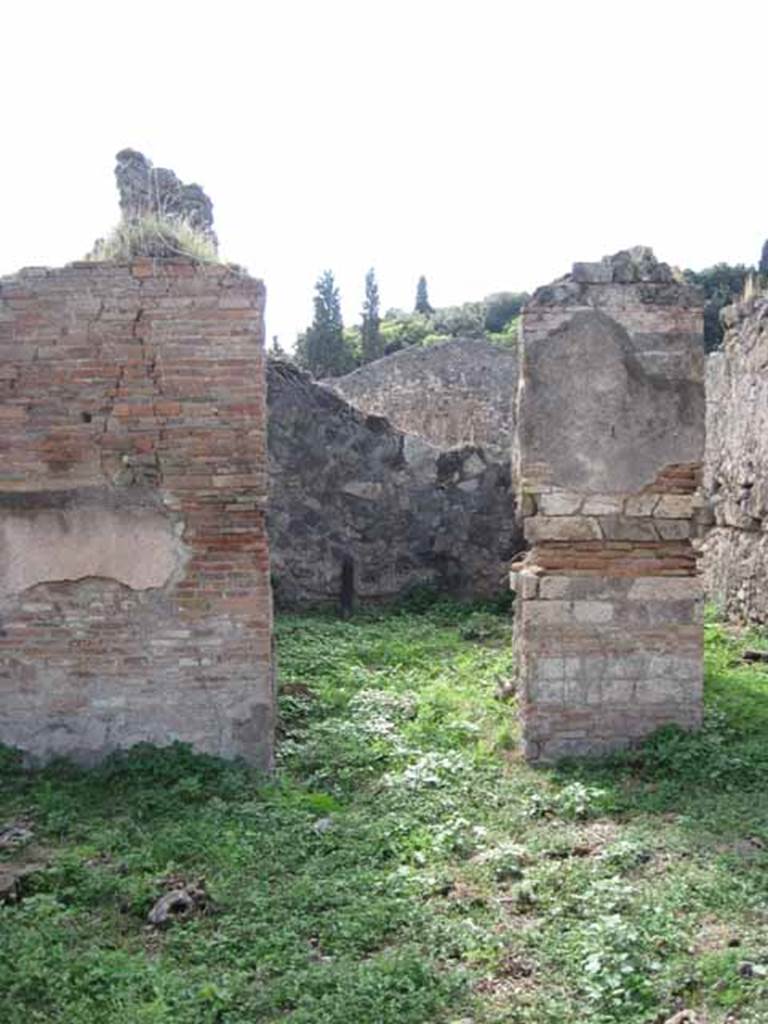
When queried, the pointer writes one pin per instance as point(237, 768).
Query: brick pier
point(608, 452)
point(134, 574)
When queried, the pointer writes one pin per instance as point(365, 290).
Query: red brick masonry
point(134, 572)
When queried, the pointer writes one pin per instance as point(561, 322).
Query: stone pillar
point(608, 451)
point(135, 600)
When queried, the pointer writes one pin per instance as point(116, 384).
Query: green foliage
point(157, 237)
point(353, 342)
point(465, 321)
point(420, 597)
point(403, 866)
point(372, 345)
point(322, 349)
point(722, 285)
point(470, 320)
point(502, 309)
point(400, 330)
point(10, 761)
point(329, 349)
point(422, 305)
point(508, 337)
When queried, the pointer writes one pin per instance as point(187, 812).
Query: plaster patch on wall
point(137, 548)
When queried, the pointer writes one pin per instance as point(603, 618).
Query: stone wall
point(349, 489)
point(455, 393)
point(134, 581)
point(736, 550)
point(610, 438)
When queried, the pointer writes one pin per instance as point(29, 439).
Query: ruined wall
point(455, 393)
point(736, 550)
point(350, 486)
point(134, 579)
point(146, 190)
point(610, 438)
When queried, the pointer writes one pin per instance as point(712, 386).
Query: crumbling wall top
point(145, 189)
point(589, 284)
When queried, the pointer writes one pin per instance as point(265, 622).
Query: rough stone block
point(547, 691)
point(561, 527)
point(602, 505)
point(592, 611)
point(660, 588)
point(560, 503)
point(674, 506)
point(641, 504)
point(550, 668)
point(618, 691)
point(620, 528)
point(554, 587)
point(675, 529)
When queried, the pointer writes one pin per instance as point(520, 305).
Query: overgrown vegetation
point(404, 866)
point(495, 319)
point(722, 285)
point(329, 349)
point(156, 237)
point(323, 348)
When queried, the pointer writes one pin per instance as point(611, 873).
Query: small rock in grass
point(179, 905)
point(14, 833)
point(322, 825)
point(683, 1017)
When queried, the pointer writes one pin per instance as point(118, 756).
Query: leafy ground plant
point(403, 866)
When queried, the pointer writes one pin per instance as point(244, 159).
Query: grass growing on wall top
point(154, 236)
point(404, 867)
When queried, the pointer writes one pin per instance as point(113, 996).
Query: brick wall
point(134, 575)
point(610, 441)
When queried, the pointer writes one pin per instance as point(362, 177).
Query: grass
point(404, 866)
point(157, 237)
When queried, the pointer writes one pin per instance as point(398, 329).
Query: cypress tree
point(322, 349)
point(372, 345)
point(422, 298)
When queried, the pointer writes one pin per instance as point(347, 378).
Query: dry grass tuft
point(156, 237)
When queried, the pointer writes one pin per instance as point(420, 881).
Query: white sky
point(486, 144)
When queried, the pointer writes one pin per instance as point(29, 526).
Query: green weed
point(402, 866)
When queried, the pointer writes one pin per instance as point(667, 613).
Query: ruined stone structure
point(134, 581)
point(455, 393)
point(354, 497)
point(736, 550)
point(610, 439)
point(145, 189)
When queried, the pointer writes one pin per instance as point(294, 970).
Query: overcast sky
point(486, 145)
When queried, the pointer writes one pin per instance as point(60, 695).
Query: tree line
point(329, 349)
